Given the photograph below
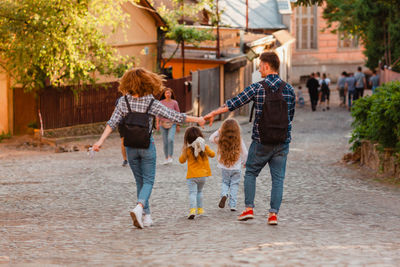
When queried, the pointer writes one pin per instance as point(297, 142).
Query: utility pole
point(218, 45)
point(247, 15)
point(183, 42)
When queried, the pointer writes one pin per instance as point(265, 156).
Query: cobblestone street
point(69, 209)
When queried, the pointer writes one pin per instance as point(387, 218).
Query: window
point(347, 40)
point(306, 27)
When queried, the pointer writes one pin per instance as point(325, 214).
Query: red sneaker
point(246, 215)
point(273, 219)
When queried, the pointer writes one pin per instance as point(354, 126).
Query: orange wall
point(190, 66)
point(6, 115)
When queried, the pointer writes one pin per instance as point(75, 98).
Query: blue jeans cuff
point(273, 211)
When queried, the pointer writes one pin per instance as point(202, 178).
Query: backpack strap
point(127, 104)
point(149, 106)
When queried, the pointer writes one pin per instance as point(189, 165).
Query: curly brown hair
point(141, 82)
point(191, 134)
point(229, 142)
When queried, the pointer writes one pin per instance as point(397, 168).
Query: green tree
point(375, 22)
point(54, 42)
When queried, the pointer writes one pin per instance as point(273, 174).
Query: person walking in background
point(300, 97)
point(374, 81)
point(325, 91)
point(269, 144)
point(341, 86)
point(232, 155)
point(361, 82)
point(350, 86)
point(138, 86)
point(312, 85)
point(196, 153)
point(168, 127)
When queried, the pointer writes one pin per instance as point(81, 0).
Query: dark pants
point(360, 92)
point(313, 98)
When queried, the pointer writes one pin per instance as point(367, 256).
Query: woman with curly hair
point(139, 86)
point(232, 154)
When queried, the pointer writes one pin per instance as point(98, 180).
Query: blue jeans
point(168, 140)
point(259, 156)
point(230, 181)
point(352, 95)
point(196, 191)
point(143, 166)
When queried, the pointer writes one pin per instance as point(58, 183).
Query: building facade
point(317, 49)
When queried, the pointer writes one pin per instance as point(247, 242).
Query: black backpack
point(135, 127)
point(324, 87)
point(273, 122)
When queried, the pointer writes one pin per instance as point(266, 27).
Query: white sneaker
point(147, 221)
point(136, 215)
point(165, 162)
point(170, 160)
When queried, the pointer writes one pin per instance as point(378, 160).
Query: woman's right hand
point(97, 145)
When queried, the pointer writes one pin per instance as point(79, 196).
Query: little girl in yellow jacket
point(196, 153)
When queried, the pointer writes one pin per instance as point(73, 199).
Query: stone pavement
point(68, 209)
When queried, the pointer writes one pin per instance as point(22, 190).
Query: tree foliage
point(56, 42)
point(375, 22)
point(177, 30)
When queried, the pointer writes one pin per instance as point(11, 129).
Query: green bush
point(4, 136)
point(377, 117)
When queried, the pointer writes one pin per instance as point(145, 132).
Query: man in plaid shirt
point(260, 154)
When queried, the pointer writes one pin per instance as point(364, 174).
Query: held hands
point(201, 121)
point(209, 117)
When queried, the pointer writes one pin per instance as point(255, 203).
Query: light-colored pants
point(196, 191)
point(168, 140)
point(230, 185)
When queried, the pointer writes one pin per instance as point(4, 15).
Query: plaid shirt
point(140, 104)
point(255, 92)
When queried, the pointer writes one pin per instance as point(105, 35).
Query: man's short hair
point(359, 69)
point(272, 59)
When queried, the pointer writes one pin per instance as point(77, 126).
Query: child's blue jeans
point(230, 185)
point(196, 191)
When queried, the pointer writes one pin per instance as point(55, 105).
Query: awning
point(283, 37)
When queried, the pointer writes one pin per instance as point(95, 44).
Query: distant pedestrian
point(374, 81)
point(196, 153)
point(300, 97)
point(138, 86)
point(232, 155)
point(325, 91)
point(312, 85)
point(342, 89)
point(168, 127)
point(351, 89)
point(361, 83)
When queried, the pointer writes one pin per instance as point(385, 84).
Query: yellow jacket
point(199, 167)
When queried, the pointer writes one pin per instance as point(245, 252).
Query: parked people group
point(274, 102)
